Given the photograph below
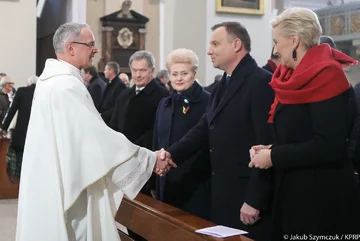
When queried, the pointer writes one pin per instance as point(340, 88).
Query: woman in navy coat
point(186, 187)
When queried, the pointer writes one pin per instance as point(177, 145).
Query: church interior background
point(27, 28)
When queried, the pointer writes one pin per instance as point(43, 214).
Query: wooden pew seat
point(157, 221)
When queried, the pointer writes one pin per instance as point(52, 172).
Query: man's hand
point(248, 214)
point(163, 162)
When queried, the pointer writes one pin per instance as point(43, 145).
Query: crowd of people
point(272, 150)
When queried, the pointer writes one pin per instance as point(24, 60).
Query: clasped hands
point(260, 157)
point(163, 162)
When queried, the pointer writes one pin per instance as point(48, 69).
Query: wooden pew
point(157, 221)
point(8, 190)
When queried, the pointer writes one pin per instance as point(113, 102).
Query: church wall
point(18, 40)
point(185, 28)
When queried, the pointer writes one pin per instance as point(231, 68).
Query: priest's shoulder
point(62, 82)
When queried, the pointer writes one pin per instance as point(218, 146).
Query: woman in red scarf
point(315, 189)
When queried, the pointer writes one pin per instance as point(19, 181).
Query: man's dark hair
point(236, 30)
point(115, 66)
point(91, 70)
point(327, 40)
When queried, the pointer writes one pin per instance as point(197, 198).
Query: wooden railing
point(157, 221)
point(8, 189)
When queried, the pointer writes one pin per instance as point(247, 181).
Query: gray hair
point(65, 34)
point(32, 79)
point(162, 73)
point(4, 80)
point(142, 54)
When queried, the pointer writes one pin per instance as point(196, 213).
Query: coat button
point(211, 150)
point(212, 127)
point(213, 173)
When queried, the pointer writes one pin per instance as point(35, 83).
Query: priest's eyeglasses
point(90, 45)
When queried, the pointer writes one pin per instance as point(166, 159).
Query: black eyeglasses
point(90, 45)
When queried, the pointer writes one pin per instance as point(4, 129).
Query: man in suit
point(22, 104)
point(135, 110)
point(235, 120)
point(112, 90)
point(95, 85)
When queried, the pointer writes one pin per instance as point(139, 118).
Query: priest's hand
point(260, 159)
point(248, 214)
point(163, 162)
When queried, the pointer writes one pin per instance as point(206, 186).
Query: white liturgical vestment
point(75, 168)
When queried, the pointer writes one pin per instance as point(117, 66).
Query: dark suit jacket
point(4, 105)
point(21, 103)
point(134, 115)
point(111, 93)
point(230, 127)
point(313, 173)
point(188, 186)
point(96, 89)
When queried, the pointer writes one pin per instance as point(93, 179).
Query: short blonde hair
point(4, 80)
point(184, 56)
point(301, 22)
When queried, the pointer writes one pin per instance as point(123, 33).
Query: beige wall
point(185, 27)
point(18, 40)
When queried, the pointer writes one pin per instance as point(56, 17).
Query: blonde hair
point(301, 22)
point(184, 56)
point(4, 80)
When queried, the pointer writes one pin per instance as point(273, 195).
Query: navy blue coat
point(187, 187)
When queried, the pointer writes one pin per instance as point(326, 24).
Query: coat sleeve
point(12, 111)
point(96, 94)
point(260, 187)
point(196, 139)
point(328, 145)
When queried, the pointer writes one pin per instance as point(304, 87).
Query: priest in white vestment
point(75, 169)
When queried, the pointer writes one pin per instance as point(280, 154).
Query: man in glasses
point(75, 169)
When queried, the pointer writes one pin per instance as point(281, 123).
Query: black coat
point(315, 191)
point(96, 89)
point(230, 127)
point(188, 186)
point(111, 93)
point(211, 87)
point(134, 115)
point(4, 105)
point(21, 103)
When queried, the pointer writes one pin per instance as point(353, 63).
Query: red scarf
point(319, 76)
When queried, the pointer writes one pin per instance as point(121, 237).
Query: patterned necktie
point(137, 91)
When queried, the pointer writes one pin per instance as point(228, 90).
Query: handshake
point(163, 162)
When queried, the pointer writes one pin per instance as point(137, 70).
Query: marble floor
point(8, 211)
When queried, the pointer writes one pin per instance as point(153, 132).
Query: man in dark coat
point(112, 90)
point(95, 85)
point(22, 104)
point(235, 121)
point(135, 110)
